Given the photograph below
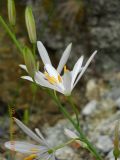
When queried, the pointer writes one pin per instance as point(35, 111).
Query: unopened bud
point(116, 150)
point(29, 61)
point(11, 12)
point(73, 135)
point(30, 24)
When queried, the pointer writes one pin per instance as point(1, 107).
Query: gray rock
point(90, 108)
point(104, 143)
point(92, 90)
point(114, 93)
point(118, 102)
point(66, 152)
point(58, 137)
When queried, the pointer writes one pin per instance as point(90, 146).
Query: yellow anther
point(31, 157)
point(65, 69)
point(45, 73)
point(59, 78)
point(52, 79)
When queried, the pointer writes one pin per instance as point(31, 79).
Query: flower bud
point(29, 61)
point(73, 135)
point(116, 150)
point(30, 24)
point(11, 12)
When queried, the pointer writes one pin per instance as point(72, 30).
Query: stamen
point(65, 69)
point(45, 73)
point(52, 79)
point(59, 78)
point(31, 157)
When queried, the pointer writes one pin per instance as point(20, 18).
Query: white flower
point(42, 151)
point(73, 135)
point(70, 134)
point(52, 77)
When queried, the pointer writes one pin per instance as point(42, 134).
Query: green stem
point(11, 123)
point(10, 33)
point(74, 109)
point(26, 116)
point(61, 146)
point(81, 135)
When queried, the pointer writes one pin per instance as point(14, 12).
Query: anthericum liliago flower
point(32, 151)
point(52, 78)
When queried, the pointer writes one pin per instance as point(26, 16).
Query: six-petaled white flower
point(32, 151)
point(52, 78)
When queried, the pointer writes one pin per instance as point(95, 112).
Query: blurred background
point(89, 25)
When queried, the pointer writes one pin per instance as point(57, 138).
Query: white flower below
point(74, 136)
point(42, 151)
point(52, 77)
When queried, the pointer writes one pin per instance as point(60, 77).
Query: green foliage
point(116, 150)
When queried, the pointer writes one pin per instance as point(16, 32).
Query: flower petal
point(41, 136)
point(40, 79)
point(64, 58)
point(51, 71)
point(23, 67)
point(27, 78)
point(85, 67)
point(39, 133)
point(28, 131)
point(43, 53)
point(67, 82)
point(70, 133)
point(76, 70)
point(53, 157)
point(24, 147)
point(50, 157)
point(44, 156)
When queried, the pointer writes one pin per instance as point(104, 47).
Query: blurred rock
point(118, 102)
point(58, 137)
point(92, 90)
point(104, 143)
point(114, 93)
point(90, 108)
point(66, 152)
